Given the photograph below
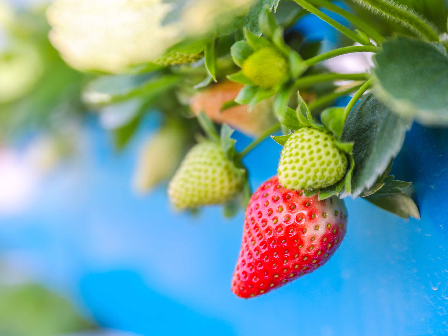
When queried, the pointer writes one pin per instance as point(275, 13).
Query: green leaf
point(251, 20)
point(208, 126)
point(260, 96)
point(239, 77)
point(107, 90)
point(204, 83)
point(290, 120)
point(189, 46)
point(303, 107)
point(379, 182)
point(228, 105)
point(122, 136)
point(227, 143)
point(240, 51)
point(246, 94)
point(412, 78)
point(281, 139)
point(247, 193)
point(392, 199)
point(332, 119)
point(210, 59)
point(378, 135)
point(231, 208)
point(255, 41)
point(268, 24)
point(296, 64)
point(279, 42)
point(281, 102)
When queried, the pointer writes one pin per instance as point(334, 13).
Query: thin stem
point(305, 82)
point(338, 52)
point(322, 101)
point(355, 98)
point(362, 25)
point(258, 140)
point(402, 15)
point(344, 30)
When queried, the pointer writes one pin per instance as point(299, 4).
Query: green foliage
point(378, 135)
point(33, 310)
point(391, 198)
point(412, 78)
point(251, 20)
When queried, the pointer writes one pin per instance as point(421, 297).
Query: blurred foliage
point(53, 88)
point(32, 310)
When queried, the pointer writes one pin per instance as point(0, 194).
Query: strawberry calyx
point(329, 132)
point(267, 63)
point(227, 143)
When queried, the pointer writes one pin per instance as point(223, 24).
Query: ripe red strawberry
point(286, 235)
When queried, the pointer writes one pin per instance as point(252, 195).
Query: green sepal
point(247, 193)
point(240, 51)
point(281, 102)
point(210, 58)
point(230, 208)
point(256, 42)
point(296, 64)
point(268, 23)
point(281, 139)
point(333, 120)
point(204, 83)
point(228, 105)
point(261, 95)
point(279, 42)
point(290, 120)
point(227, 143)
point(344, 183)
point(246, 94)
point(239, 77)
point(310, 193)
point(208, 126)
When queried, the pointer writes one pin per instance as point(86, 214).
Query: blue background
point(133, 264)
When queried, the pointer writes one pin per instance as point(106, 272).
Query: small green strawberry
point(177, 58)
point(266, 68)
point(310, 160)
point(205, 177)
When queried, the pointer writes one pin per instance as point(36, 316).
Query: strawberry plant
point(211, 66)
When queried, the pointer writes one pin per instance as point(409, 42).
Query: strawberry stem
point(355, 99)
point(327, 99)
point(258, 140)
point(308, 81)
point(344, 30)
point(365, 27)
point(338, 52)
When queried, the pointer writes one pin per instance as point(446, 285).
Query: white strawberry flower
point(110, 35)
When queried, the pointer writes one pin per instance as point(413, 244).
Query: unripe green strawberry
point(205, 177)
point(177, 58)
point(310, 160)
point(266, 68)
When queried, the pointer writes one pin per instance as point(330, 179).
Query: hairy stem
point(258, 140)
point(403, 15)
point(362, 25)
point(338, 52)
point(344, 30)
point(355, 99)
point(327, 99)
point(305, 82)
